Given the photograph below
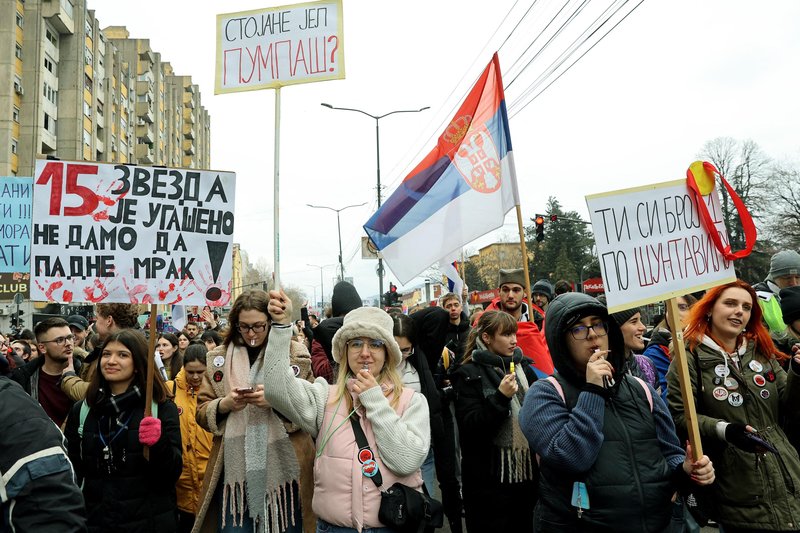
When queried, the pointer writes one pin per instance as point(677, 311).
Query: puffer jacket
point(196, 443)
point(752, 491)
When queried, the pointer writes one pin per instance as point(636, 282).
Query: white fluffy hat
point(369, 322)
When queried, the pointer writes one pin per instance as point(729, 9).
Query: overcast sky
point(635, 110)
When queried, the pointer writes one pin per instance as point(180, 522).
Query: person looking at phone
point(742, 394)
point(266, 461)
point(369, 388)
point(610, 457)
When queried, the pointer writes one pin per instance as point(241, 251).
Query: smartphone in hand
point(245, 390)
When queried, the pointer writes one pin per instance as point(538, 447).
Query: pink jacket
point(343, 496)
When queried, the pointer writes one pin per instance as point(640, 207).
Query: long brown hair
point(137, 344)
point(176, 362)
point(699, 323)
point(493, 323)
point(255, 299)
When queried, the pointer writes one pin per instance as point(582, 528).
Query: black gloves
point(738, 435)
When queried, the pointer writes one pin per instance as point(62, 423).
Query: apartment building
point(76, 91)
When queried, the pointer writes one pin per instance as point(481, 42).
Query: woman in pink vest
point(369, 389)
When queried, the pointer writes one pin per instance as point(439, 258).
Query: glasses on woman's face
point(407, 351)
point(580, 333)
point(374, 345)
point(255, 328)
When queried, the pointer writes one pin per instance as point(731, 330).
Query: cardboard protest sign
point(652, 246)
point(15, 223)
point(277, 46)
point(130, 234)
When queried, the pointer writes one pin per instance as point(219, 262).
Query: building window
point(19, 19)
point(87, 82)
point(50, 93)
point(49, 64)
point(99, 109)
point(49, 123)
point(52, 37)
point(14, 146)
point(16, 114)
point(18, 51)
point(87, 138)
point(87, 109)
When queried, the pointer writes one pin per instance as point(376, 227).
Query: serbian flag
point(449, 269)
point(461, 190)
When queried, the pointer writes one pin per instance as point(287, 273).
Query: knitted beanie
point(369, 322)
point(790, 304)
point(345, 298)
point(543, 287)
point(511, 275)
point(784, 263)
point(623, 316)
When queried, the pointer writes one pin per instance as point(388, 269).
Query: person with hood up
point(369, 394)
point(784, 271)
point(497, 467)
point(741, 391)
point(610, 457)
point(344, 299)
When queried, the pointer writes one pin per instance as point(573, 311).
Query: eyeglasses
point(256, 328)
point(61, 340)
point(683, 307)
point(374, 345)
point(580, 333)
point(407, 351)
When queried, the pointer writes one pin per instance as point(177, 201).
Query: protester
point(497, 467)
point(167, 346)
point(78, 324)
point(344, 299)
point(195, 441)
point(441, 460)
point(740, 392)
point(19, 354)
point(39, 491)
point(394, 418)
point(192, 331)
point(183, 342)
point(264, 473)
point(610, 458)
point(633, 329)
point(542, 292)
point(659, 349)
point(561, 287)
point(107, 432)
point(784, 271)
point(211, 338)
point(788, 341)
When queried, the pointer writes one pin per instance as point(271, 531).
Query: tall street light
point(321, 284)
point(339, 226)
point(378, 158)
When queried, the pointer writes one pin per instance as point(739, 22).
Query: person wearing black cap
point(78, 326)
point(344, 299)
point(588, 416)
point(542, 292)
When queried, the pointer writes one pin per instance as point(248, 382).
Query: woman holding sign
point(742, 394)
point(610, 458)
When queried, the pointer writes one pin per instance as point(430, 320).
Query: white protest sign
point(651, 245)
point(131, 234)
point(277, 46)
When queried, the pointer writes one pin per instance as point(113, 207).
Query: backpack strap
point(559, 389)
point(646, 391)
point(85, 412)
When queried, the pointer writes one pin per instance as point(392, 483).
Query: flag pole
point(525, 262)
point(151, 368)
point(464, 287)
point(276, 241)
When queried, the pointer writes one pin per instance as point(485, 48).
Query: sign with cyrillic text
point(652, 246)
point(131, 234)
point(15, 223)
point(277, 46)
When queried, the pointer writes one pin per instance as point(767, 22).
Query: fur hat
point(511, 275)
point(784, 263)
point(543, 287)
point(790, 304)
point(621, 317)
point(368, 322)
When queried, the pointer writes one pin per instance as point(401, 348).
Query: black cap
point(78, 321)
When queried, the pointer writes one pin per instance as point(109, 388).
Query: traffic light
point(553, 218)
point(16, 320)
point(539, 228)
point(394, 298)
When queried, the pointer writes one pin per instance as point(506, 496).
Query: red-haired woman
point(741, 393)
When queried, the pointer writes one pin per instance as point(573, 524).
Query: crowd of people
point(540, 414)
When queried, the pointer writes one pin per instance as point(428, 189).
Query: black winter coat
point(140, 494)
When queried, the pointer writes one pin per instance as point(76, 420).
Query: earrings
point(708, 317)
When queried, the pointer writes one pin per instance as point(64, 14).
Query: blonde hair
point(388, 373)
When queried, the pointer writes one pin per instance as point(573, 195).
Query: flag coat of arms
point(460, 191)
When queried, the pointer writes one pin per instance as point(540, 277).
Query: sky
point(636, 109)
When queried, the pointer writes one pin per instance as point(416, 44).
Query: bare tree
point(785, 219)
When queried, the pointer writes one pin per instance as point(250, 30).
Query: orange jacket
point(196, 444)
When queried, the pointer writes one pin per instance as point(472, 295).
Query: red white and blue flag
point(461, 190)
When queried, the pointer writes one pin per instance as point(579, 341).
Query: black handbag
point(402, 508)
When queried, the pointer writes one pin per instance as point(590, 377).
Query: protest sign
point(652, 246)
point(15, 223)
point(131, 234)
point(277, 46)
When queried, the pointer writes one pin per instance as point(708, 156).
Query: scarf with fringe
point(260, 461)
point(514, 453)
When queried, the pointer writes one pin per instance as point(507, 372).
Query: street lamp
point(339, 226)
point(378, 158)
point(321, 284)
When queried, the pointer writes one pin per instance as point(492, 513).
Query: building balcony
point(188, 100)
point(61, 14)
point(188, 116)
point(144, 154)
point(188, 147)
point(188, 162)
point(144, 132)
point(144, 111)
point(143, 87)
point(188, 131)
point(99, 145)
